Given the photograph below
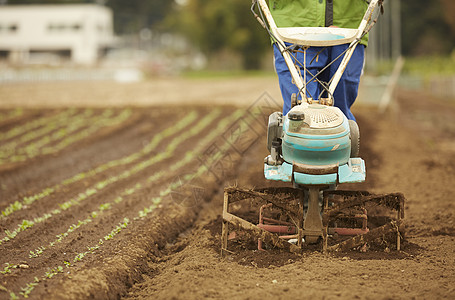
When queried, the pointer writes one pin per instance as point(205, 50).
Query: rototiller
point(314, 147)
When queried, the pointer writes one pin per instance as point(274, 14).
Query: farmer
point(321, 13)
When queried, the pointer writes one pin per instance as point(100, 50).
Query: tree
point(425, 31)
point(428, 26)
point(218, 25)
point(14, 2)
point(133, 15)
point(449, 14)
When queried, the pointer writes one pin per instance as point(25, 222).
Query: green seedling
point(8, 268)
point(13, 296)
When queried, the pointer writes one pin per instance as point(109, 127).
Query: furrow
point(69, 122)
point(36, 123)
point(97, 187)
point(146, 150)
point(8, 116)
point(42, 148)
point(125, 222)
point(16, 151)
point(188, 157)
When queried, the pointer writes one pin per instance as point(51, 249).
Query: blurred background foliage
point(428, 27)
point(219, 26)
point(214, 27)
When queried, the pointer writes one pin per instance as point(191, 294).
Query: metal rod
point(313, 220)
point(363, 24)
point(287, 58)
point(259, 232)
point(278, 228)
point(351, 231)
point(279, 222)
point(225, 228)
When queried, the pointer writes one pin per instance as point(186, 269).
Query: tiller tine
point(355, 199)
point(311, 226)
point(232, 195)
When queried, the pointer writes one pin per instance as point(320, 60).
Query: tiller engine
point(315, 148)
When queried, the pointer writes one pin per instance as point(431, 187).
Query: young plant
point(8, 268)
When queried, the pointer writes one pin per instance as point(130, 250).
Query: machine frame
point(312, 209)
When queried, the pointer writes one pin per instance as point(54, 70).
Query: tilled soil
point(133, 209)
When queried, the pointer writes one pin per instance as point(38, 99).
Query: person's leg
point(285, 79)
point(316, 59)
point(347, 89)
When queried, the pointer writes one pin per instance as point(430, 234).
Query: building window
point(51, 27)
point(8, 28)
point(54, 27)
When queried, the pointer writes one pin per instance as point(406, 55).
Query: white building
point(80, 32)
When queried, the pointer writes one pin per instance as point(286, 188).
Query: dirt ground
point(132, 210)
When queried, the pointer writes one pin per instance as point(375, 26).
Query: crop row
point(108, 205)
point(8, 115)
point(142, 213)
point(37, 123)
point(99, 186)
point(146, 150)
point(11, 114)
point(64, 138)
point(71, 122)
point(187, 158)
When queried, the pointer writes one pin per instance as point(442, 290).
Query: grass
point(211, 74)
point(423, 67)
point(430, 66)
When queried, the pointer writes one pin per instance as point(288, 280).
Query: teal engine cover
point(312, 145)
point(316, 135)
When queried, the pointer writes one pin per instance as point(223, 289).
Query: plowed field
point(117, 201)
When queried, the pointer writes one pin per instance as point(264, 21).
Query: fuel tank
point(316, 135)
